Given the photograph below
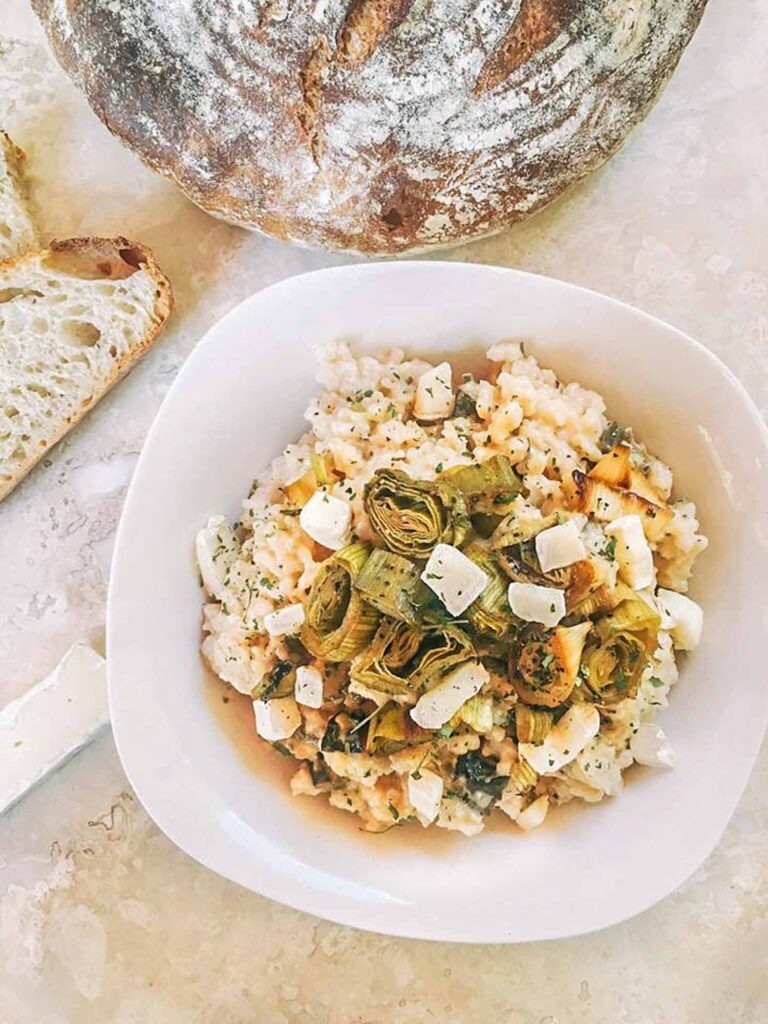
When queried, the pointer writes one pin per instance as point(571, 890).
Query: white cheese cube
point(436, 707)
point(534, 814)
point(455, 579)
point(309, 686)
point(682, 617)
point(425, 794)
point(633, 554)
point(276, 719)
point(285, 620)
point(434, 394)
point(327, 520)
point(533, 603)
point(559, 546)
point(650, 746)
point(215, 547)
point(566, 740)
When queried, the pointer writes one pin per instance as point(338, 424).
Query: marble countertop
point(101, 918)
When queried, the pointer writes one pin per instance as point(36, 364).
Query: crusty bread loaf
point(18, 233)
point(73, 319)
point(375, 126)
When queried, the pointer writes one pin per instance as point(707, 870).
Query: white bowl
point(237, 401)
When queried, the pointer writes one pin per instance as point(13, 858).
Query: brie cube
point(683, 617)
point(425, 794)
point(650, 746)
point(534, 814)
point(434, 394)
point(633, 554)
point(438, 705)
point(285, 620)
point(559, 546)
point(565, 741)
point(327, 520)
point(276, 719)
point(533, 603)
point(309, 687)
point(455, 579)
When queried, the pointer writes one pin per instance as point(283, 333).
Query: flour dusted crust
point(372, 126)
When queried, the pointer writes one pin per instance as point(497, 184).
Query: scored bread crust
point(76, 260)
point(371, 126)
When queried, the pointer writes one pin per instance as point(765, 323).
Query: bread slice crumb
point(74, 318)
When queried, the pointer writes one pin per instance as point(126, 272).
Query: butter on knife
point(53, 721)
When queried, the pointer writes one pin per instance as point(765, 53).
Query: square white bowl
point(235, 404)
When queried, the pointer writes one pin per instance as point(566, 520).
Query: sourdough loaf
point(374, 126)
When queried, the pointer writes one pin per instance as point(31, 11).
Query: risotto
point(451, 596)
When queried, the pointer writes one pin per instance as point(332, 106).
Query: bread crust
point(372, 126)
point(108, 258)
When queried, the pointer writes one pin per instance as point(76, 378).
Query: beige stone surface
point(101, 918)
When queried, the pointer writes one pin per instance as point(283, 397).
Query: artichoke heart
point(402, 661)
point(544, 669)
point(605, 502)
point(392, 729)
point(412, 516)
point(618, 651)
point(338, 622)
point(490, 613)
point(388, 582)
point(486, 485)
point(532, 725)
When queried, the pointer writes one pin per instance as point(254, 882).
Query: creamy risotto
point(453, 595)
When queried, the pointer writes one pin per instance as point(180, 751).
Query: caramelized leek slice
point(522, 776)
point(532, 725)
point(605, 503)
point(392, 729)
point(544, 669)
point(604, 599)
point(585, 578)
point(514, 529)
point(490, 614)
point(477, 713)
point(321, 473)
point(387, 581)
point(412, 516)
point(614, 467)
point(486, 485)
point(401, 661)
point(618, 652)
point(338, 623)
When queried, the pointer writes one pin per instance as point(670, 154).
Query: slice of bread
point(18, 233)
point(73, 319)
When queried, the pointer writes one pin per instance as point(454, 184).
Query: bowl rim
point(310, 900)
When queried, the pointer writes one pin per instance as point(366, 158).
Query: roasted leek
point(532, 725)
point(618, 651)
point(338, 622)
point(401, 661)
point(605, 503)
point(490, 614)
point(387, 581)
point(486, 485)
point(392, 729)
point(544, 669)
point(412, 516)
